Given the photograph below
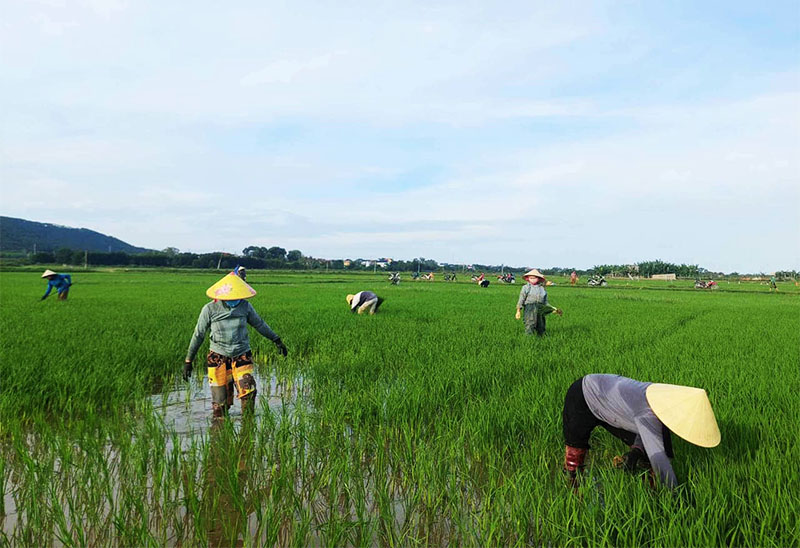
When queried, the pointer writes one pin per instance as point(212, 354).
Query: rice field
point(435, 422)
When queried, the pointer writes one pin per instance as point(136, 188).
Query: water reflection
point(225, 495)
point(188, 410)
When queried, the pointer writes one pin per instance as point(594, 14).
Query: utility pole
point(85, 259)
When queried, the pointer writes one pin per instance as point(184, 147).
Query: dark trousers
point(579, 421)
point(534, 320)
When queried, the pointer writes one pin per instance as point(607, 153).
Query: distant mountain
point(22, 235)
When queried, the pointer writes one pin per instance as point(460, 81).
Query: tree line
point(257, 257)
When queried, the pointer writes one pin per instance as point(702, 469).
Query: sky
point(524, 133)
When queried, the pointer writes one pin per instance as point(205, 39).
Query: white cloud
point(448, 128)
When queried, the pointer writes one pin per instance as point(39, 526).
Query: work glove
point(282, 348)
point(187, 369)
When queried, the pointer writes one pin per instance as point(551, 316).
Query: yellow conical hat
point(230, 288)
point(349, 298)
point(686, 411)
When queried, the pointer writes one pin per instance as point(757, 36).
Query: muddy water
point(186, 410)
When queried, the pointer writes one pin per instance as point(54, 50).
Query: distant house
point(666, 277)
point(347, 262)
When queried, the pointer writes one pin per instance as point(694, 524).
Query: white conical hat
point(47, 273)
point(230, 288)
point(686, 411)
point(533, 272)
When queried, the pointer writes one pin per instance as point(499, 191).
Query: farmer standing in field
point(773, 284)
point(533, 303)
point(364, 301)
point(642, 415)
point(61, 282)
point(241, 272)
point(230, 361)
point(573, 278)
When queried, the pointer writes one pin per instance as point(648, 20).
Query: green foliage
point(434, 422)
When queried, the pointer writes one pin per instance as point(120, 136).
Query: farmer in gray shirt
point(642, 415)
point(229, 361)
point(364, 301)
point(533, 303)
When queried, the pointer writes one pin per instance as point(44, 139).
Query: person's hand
point(43, 298)
point(517, 315)
point(559, 312)
point(282, 348)
point(187, 369)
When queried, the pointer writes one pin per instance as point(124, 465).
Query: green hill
point(18, 235)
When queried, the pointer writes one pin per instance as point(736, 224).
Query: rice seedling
point(434, 422)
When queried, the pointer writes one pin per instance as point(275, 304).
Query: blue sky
point(524, 133)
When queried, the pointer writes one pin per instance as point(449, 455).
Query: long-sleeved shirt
point(60, 282)
point(228, 328)
point(534, 294)
point(622, 403)
point(360, 298)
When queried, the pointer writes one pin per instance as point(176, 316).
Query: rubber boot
point(573, 463)
point(249, 404)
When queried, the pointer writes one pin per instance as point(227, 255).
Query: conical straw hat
point(349, 298)
point(47, 273)
point(533, 272)
point(686, 411)
point(230, 288)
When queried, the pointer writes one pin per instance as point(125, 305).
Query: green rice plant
point(434, 422)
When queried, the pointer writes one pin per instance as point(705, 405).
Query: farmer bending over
point(533, 302)
point(363, 301)
point(642, 415)
point(230, 361)
point(61, 282)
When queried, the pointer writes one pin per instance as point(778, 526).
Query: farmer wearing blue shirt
point(61, 282)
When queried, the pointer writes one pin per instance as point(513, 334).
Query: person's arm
point(69, 279)
point(548, 308)
point(522, 294)
point(203, 323)
point(654, 447)
point(49, 289)
point(261, 326)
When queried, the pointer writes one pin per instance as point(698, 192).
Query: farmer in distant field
point(61, 282)
point(773, 284)
point(642, 415)
point(364, 301)
point(573, 278)
point(533, 303)
point(241, 272)
point(230, 361)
